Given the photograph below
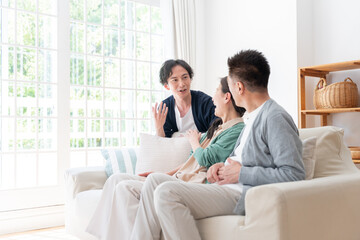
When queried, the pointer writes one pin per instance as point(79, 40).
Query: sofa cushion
point(309, 147)
point(161, 154)
point(121, 160)
point(332, 157)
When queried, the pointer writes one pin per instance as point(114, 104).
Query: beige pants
point(115, 214)
point(179, 204)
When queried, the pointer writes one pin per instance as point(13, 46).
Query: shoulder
point(168, 100)
point(200, 96)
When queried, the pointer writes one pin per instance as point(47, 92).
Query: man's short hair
point(166, 69)
point(251, 68)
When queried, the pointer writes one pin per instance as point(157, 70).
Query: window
point(114, 53)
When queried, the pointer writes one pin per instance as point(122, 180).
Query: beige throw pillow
point(159, 154)
point(309, 146)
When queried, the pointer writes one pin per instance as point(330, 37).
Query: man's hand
point(145, 174)
point(212, 173)
point(230, 173)
point(160, 117)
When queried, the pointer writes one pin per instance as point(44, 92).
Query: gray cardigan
point(272, 153)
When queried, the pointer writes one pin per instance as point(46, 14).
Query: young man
point(185, 109)
point(267, 151)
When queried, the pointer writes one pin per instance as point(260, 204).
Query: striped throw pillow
point(119, 160)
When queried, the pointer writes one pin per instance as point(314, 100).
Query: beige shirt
point(191, 171)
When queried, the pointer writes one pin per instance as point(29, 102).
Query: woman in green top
point(116, 213)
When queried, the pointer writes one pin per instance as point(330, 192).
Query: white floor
point(43, 234)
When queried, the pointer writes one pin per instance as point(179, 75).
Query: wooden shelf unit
point(321, 71)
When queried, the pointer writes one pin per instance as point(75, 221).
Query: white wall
point(335, 37)
point(268, 26)
point(291, 34)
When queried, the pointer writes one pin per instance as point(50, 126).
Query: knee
point(165, 195)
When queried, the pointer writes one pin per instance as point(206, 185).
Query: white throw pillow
point(159, 154)
point(309, 146)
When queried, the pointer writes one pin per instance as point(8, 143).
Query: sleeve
point(219, 150)
point(285, 148)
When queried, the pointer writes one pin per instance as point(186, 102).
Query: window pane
point(142, 17)
point(94, 39)
point(112, 72)
point(8, 136)
point(47, 37)
point(127, 133)
point(47, 100)
point(143, 75)
point(127, 74)
point(127, 44)
point(77, 10)
point(112, 103)
point(77, 69)
point(47, 62)
point(77, 101)
point(94, 102)
point(26, 131)
point(26, 170)
point(26, 29)
point(8, 98)
point(127, 104)
point(143, 104)
point(111, 42)
point(26, 99)
point(156, 26)
point(47, 134)
point(95, 130)
point(155, 80)
point(157, 49)
point(143, 126)
point(94, 71)
point(94, 11)
point(156, 97)
point(8, 62)
point(8, 3)
point(77, 42)
point(29, 5)
point(48, 6)
point(26, 63)
point(7, 25)
point(143, 46)
point(112, 12)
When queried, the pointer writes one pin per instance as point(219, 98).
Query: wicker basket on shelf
point(337, 95)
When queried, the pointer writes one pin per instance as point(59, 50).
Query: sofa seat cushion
point(332, 157)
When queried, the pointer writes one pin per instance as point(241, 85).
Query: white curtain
point(179, 24)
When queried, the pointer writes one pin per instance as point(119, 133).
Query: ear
point(227, 97)
point(240, 87)
point(166, 86)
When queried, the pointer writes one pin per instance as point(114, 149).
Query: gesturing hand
point(194, 137)
point(212, 173)
point(160, 117)
point(229, 173)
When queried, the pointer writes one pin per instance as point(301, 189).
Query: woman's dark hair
point(217, 122)
point(166, 69)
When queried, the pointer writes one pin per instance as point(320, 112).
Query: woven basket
point(337, 95)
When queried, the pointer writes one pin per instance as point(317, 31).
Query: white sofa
point(325, 207)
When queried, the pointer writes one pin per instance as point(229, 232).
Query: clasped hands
point(224, 174)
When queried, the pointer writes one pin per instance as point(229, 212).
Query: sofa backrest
point(332, 157)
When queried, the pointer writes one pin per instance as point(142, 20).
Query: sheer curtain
point(179, 24)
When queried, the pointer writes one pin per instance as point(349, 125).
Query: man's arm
point(285, 148)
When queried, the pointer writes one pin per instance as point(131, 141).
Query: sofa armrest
point(82, 179)
point(322, 208)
